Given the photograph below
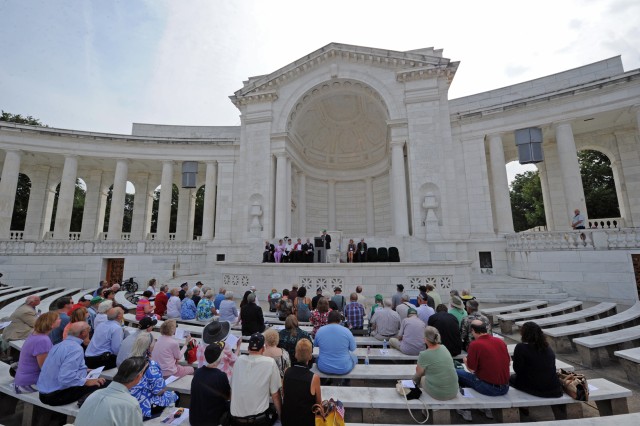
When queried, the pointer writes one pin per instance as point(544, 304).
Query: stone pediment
point(409, 65)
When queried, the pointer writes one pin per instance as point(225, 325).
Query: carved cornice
point(254, 98)
point(410, 65)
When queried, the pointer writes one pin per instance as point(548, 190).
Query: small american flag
point(340, 408)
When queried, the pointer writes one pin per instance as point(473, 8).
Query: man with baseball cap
point(210, 389)
point(255, 378)
point(145, 325)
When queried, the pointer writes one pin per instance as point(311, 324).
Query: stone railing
point(588, 239)
point(99, 247)
point(16, 235)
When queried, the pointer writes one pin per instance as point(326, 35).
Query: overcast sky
point(102, 65)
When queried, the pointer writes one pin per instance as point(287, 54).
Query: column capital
point(331, 181)
point(397, 143)
point(495, 135)
point(280, 154)
point(212, 162)
point(167, 162)
point(561, 123)
point(226, 161)
point(71, 156)
point(14, 150)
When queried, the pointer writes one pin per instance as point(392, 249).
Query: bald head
point(33, 300)
point(78, 328)
point(478, 327)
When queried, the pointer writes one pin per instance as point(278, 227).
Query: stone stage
point(380, 277)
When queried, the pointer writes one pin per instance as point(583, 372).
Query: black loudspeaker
point(394, 255)
point(383, 255)
point(529, 144)
point(372, 254)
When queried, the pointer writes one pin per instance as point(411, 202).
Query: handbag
point(329, 413)
point(574, 384)
point(413, 393)
point(191, 354)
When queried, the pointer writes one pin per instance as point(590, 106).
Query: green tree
point(527, 207)
point(77, 210)
point(174, 210)
point(599, 185)
point(17, 118)
point(19, 217)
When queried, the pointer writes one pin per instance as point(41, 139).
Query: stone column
point(65, 198)
point(49, 199)
point(142, 202)
point(164, 207)
point(281, 195)
point(331, 203)
point(92, 206)
point(501, 199)
point(289, 188)
point(637, 111)
point(570, 169)
point(37, 197)
point(185, 214)
point(8, 187)
point(302, 204)
point(369, 203)
point(546, 196)
point(224, 203)
point(116, 215)
point(399, 190)
point(209, 208)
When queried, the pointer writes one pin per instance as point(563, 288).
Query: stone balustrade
point(588, 239)
point(120, 247)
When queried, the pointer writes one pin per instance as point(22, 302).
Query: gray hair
point(251, 298)
point(113, 313)
point(105, 306)
point(189, 294)
point(387, 303)
point(208, 294)
point(229, 295)
point(196, 291)
point(432, 335)
point(405, 297)
point(129, 370)
point(141, 344)
point(164, 287)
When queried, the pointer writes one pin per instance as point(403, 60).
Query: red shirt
point(489, 358)
point(161, 303)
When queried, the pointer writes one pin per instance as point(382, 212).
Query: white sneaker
point(488, 413)
point(466, 414)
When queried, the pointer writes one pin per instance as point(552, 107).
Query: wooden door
point(115, 269)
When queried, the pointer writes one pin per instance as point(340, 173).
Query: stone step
point(552, 298)
point(477, 291)
point(476, 285)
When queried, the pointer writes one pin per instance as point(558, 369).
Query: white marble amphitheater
point(362, 142)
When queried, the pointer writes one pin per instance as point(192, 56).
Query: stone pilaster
point(224, 203)
point(8, 187)
point(91, 211)
point(501, 199)
point(209, 208)
point(116, 214)
point(399, 190)
point(64, 208)
point(331, 203)
point(570, 169)
point(369, 203)
point(281, 195)
point(302, 204)
point(164, 207)
point(33, 229)
point(142, 205)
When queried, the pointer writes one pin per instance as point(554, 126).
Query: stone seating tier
point(630, 360)
point(507, 321)
point(589, 347)
point(15, 295)
point(601, 310)
point(560, 338)
point(491, 313)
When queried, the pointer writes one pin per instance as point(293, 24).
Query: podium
point(319, 252)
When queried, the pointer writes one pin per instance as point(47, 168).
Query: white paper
point(592, 388)
point(95, 373)
point(232, 340)
point(182, 418)
point(466, 393)
point(384, 351)
point(179, 333)
point(408, 384)
point(4, 324)
point(278, 327)
point(170, 379)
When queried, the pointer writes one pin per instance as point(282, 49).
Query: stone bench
point(14, 295)
point(589, 347)
point(11, 307)
point(507, 321)
point(8, 290)
point(609, 397)
point(45, 303)
point(121, 299)
point(601, 310)
point(31, 400)
point(630, 360)
point(490, 313)
point(560, 338)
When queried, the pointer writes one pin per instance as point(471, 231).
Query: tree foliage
point(18, 118)
point(527, 207)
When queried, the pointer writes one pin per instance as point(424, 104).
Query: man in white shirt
point(255, 378)
point(404, 306)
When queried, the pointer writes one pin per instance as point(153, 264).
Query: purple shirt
point(28, 368)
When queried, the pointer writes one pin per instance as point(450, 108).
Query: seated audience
point(285, 306)
point(105, 344)
point(34, 352)
point(174, 304)
point(206, 308)
point(161, 301)
point(354, 313)
point(435, 371)
point(152, 287)
point(302, 305)
point(188, 307)
point(251, 317)
point(144, 307)
point(23, 320)
point(336, 345)
point(404, 306)
point(431, 291)
point(279, 251)
point(93, 311)
point(314, 301)
point(114, 405)
point(63, 306)
point(63, 378)
point(271, 349)
point(424, 310)
point(145, 326)
point(448, 328)
point(534, 364)
point(457, 309)
point(377, 303)
point(465, 326)
point(351, 249)
point(103, 286)
point(339, 299)
point(182, 293)
point(245, 297)
point(320, 316)
point(218, 331)
point(273, 299)
point(219, 297)
point(385, 324)
point(151, 391)
point(77, 315)
point(410, 338)
point(267, 254)
point(466, 296)
point(210, 389)
point(196, 294)
point(301, 389)
point(166, 352)
point(228, 310)
point(291, 335)
point(101, 316)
